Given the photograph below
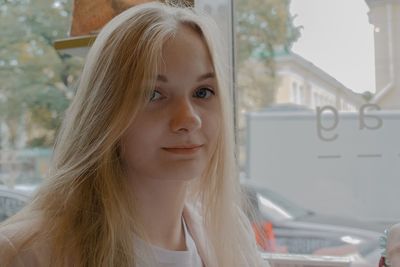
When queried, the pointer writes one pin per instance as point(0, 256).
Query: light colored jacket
point(37, 254)
point(393, 245)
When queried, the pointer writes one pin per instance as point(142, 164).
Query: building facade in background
point(305, 84)
point(384, 15)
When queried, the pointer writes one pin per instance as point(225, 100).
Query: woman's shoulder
point(194, 217)
point(193, 212)
point(393, 244)
point(19, 227)
point(13, 236)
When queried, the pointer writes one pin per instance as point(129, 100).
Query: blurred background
point(316, 91)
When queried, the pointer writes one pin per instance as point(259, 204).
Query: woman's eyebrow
point(206, 76)
point(163, 78)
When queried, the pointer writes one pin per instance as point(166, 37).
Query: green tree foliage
point(264, 30)
point(35, 81)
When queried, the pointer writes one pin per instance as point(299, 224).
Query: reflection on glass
point(319, 108)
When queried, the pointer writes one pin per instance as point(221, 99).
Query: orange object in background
point(265, 236)
point(90, 16)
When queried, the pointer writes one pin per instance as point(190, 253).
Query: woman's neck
point(160, 204)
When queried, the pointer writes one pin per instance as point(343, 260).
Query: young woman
point(143, 171)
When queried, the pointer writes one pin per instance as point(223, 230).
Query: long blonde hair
point(84, 206)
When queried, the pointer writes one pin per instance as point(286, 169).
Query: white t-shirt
point(169, 258)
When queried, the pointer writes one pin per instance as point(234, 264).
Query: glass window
point(36, 86)
point(294, 93)
point(338, 156)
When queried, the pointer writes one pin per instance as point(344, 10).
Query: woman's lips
point(181, 150)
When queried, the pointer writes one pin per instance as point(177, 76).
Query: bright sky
point(337, 38)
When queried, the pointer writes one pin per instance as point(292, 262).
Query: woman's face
point(182, 112)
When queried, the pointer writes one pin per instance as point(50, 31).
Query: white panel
point(356, 175)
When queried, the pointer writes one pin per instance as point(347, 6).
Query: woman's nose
point(185, 118)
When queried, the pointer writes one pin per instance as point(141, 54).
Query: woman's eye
point(204, 92)
point(154, 95)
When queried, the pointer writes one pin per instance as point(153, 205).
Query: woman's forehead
point(185, 56)
point(185, 39)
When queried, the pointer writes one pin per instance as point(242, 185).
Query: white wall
point(286, 154)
